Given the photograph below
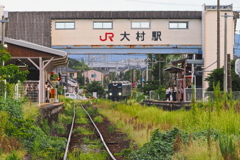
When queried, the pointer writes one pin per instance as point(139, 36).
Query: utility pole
point(159, 70)
point(218, 34)
point(229, 74)
point(225, 54)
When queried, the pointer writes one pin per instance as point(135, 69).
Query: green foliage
point(11, 72)
point(149, 86)
point(95, 87)
point(78, 65)
point(13, 156)
point(217, 77)
point(4, 55)
point(12, 106)
point(98, 119)
point(140, 98)
point(44, 125)
point(228, 147)
point(111, 129)
point(124, 152)
point(84, 131)
point(160, 146)
point(165, 77)
point(33, 138)
point(58, 127)
point(92, 111)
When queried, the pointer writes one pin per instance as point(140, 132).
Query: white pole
point(225, 53)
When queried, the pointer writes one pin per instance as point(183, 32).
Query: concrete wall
point(84, 34)
point(210, 40)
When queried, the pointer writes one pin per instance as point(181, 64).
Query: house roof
point(64, 69)
point(174, 69)
point(92, 70)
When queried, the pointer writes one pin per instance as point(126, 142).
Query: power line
point(177, 4)
point(164, 3)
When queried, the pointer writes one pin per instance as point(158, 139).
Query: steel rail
point(105, 145)
point(70, 134)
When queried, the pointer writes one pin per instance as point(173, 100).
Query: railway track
point(110, 143)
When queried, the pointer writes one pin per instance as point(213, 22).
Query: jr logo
point(107, 35)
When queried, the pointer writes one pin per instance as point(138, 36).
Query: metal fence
point(198, 93)
point(27, 89)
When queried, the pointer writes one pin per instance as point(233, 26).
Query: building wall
point(210, 40)
point(74, 74)
point(84, 34)
point(36, 26)
point(89, 74)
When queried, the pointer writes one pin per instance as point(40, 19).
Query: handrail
point(70, 134)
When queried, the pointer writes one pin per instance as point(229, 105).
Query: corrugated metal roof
point(34, 46)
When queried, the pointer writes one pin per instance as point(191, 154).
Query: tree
point(78, 65)
point(217, 77)
point(165, 60)
point(95, 86)
point(11, 73)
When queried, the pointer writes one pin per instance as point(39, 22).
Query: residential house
point(93, 75)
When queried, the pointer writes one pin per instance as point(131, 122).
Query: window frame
point(102, 23)
point(65, 28)
point(94, 75)
point(178, 22)
point(140, 26)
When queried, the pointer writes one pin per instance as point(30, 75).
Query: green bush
point(98, 119)
point(12, 106)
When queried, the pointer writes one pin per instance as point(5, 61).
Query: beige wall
point(210, 40)
point(84, 34)
point(89, 73)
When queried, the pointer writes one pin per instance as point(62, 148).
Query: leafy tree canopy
point(217, 77)
point(11, 73)
point(95, 86)
point(78, 65)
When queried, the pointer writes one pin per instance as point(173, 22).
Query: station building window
point(102, 25)
point(93, 75)
point(65, 25)
point(137, 25)
point(178, 25)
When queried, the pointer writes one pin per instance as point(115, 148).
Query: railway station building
point(189, 33)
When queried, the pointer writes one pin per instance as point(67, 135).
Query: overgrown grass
point(30, 110)
point(81, 116)
point(220, 113)
point(83, 130)
point(76, 154)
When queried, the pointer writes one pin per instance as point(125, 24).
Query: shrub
point(98, 119)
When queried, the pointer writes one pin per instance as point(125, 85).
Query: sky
point(112, 5)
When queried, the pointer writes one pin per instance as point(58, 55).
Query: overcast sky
point(113, 5)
